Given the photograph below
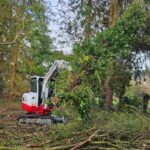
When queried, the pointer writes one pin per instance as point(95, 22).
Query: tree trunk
point(88, 19)
point(13, 71)
point(108, 99)
point(145, 102)
point(112, 20)
point(113, 12)
point(15, 53)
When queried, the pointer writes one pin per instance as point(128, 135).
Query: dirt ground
point(16, 135)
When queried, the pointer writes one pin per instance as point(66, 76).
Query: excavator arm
point(57, 65)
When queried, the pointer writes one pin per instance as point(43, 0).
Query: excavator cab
point(32, 100)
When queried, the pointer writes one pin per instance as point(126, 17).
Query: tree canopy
point(25, 44)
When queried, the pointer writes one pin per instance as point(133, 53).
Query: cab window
point(33, 85)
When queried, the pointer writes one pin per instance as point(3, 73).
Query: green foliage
point(25, 44)
point(82, 97)
point(79, 97)
point(134, 91)
point(110, 53)
point(62, 82)
point(6, 34)
point(38, 37)
point(59, 55)
point(135, 97)
point(105, 60)
point(126, 121)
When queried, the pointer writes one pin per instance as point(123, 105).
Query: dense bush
point(102, 62)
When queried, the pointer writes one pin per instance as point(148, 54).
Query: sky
point(56, 34)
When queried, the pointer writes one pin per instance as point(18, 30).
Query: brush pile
point(109, 130)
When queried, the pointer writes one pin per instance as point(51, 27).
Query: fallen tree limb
point(9, 134)
point(76, 135)
point(46, 142)
point(106, 142)
point(78, 145)
point(85, 131)
point(100, 148)
point(60, 147)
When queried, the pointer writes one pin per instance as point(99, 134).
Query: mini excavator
point(34, 102)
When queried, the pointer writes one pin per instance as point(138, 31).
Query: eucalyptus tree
point(25, 45)
point(7, 37)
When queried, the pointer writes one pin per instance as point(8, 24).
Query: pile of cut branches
point(105, 139)
point(113, 130)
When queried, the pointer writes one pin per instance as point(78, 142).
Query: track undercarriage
point(40, 119)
